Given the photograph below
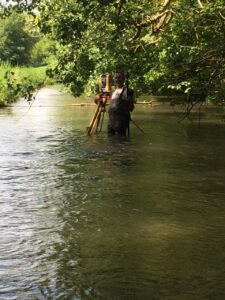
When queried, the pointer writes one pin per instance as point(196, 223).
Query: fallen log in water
point(93, 104)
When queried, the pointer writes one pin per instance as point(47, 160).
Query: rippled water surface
point(113, 219)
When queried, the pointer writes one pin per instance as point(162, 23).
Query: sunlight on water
point(108, 218)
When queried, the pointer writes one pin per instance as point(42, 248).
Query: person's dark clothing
point(119, 111)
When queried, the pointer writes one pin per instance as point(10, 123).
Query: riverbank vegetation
point(18, 82)
point(25, 55)
point(168, 47)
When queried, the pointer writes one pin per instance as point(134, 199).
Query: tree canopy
point(15, 42)
point(167, 46)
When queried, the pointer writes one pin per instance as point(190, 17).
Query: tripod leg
point(98, 121)
point(93, 121)
point(103, 114)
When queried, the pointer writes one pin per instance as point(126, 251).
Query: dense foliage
point(43, 53)
point(167, 46)
point(21, 43)
point(16, 82)
point(15, 42)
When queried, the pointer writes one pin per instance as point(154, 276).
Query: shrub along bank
point(16, 82)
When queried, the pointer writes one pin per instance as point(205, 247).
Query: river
point(107, 218)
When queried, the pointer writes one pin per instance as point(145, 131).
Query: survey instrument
point(104, 96)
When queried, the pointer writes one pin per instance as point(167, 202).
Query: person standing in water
point(120, 106)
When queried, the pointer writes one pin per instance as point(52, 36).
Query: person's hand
point(97, 99)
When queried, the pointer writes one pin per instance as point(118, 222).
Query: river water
point(108, 218)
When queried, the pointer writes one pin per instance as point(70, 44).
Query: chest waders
point(119, 116)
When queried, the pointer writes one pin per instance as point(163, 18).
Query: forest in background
point(25, 55)
point(168, 47)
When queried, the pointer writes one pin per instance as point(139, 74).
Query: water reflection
point(100, 218)
point(87, 183)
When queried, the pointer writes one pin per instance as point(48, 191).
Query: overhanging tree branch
point(221, 16)
point(200, 3)
point(122, 2)
point(156, 21)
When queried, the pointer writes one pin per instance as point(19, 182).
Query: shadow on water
point(108, 218)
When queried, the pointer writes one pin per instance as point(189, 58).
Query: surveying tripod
point(98, 118)
point(105, 92)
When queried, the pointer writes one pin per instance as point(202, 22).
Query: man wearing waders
point(120, 106)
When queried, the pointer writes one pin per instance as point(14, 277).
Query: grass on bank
point(16, 82)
